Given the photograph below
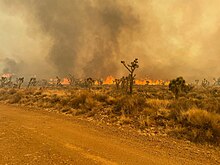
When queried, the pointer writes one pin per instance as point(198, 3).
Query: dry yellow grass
point(192, 117)
point(157, 103)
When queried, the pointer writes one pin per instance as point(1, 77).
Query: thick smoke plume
point(91, 37)
point(11, 66)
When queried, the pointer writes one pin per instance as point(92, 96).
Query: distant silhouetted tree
point(131, 68)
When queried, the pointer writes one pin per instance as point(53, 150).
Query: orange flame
point(151, 82)
point(109, 80)
point(140, 82)
point(65, 81)
point(7, 75)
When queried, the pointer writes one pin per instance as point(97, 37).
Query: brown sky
point(171, 37)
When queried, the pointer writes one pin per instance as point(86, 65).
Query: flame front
point(109, 80)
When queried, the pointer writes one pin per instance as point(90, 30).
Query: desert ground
point(31, 136)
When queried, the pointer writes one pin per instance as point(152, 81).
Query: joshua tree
point(89, 82)
point(9, 82)
point(131, 68)
point(117, 83)
point(147, 82)
point(216, 81)
point(32, 82)
point(43, 83)
point(3, 81)
point(197, 82)
point(100, 81)
point(6, 81)
point(19, 82)
point(58, 81)
point(123, 82)
point(71, 80)
point(178, 85)
point(205, 83)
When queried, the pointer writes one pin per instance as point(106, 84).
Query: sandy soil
point(40, 137)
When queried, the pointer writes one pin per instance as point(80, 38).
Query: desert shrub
point(24, 101)
point(3, 95)
point(29, 92)
point(211, 104)
point(90, 104)
point(129, 105)
point(149, 112)
point(46, 99)
point(145, 121)
point(15, 98)
point(183, 104)
point(105, 98)
point(202, 125)
point(38, 93)
point(3, 92)
point(125, 120)
point(65, 109)
point(111, 101)
point(64, 101)
point(197, 95)
point(46, 104)
point(177, 106)
point(77, 100)
point(54, 99)
point(101, 97)
point(11, 91)
point(156, 116)
point(84, 102)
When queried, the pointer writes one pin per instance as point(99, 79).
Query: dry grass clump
point(207, 124)
point(14, 98)
point(157, 104)
point(128, 105)
point(11, 96)
point(155, 117)
point(101, 97)
point(78, 99)
point(124, 120)
point(3, 95)
point(211, 104)
point(199, 126)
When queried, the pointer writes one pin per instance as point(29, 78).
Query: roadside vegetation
point(152, 110)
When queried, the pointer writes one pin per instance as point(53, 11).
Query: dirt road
point(40, 137)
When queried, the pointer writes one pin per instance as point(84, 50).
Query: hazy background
point(90, 37)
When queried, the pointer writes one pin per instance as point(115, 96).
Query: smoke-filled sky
point(90, 37)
